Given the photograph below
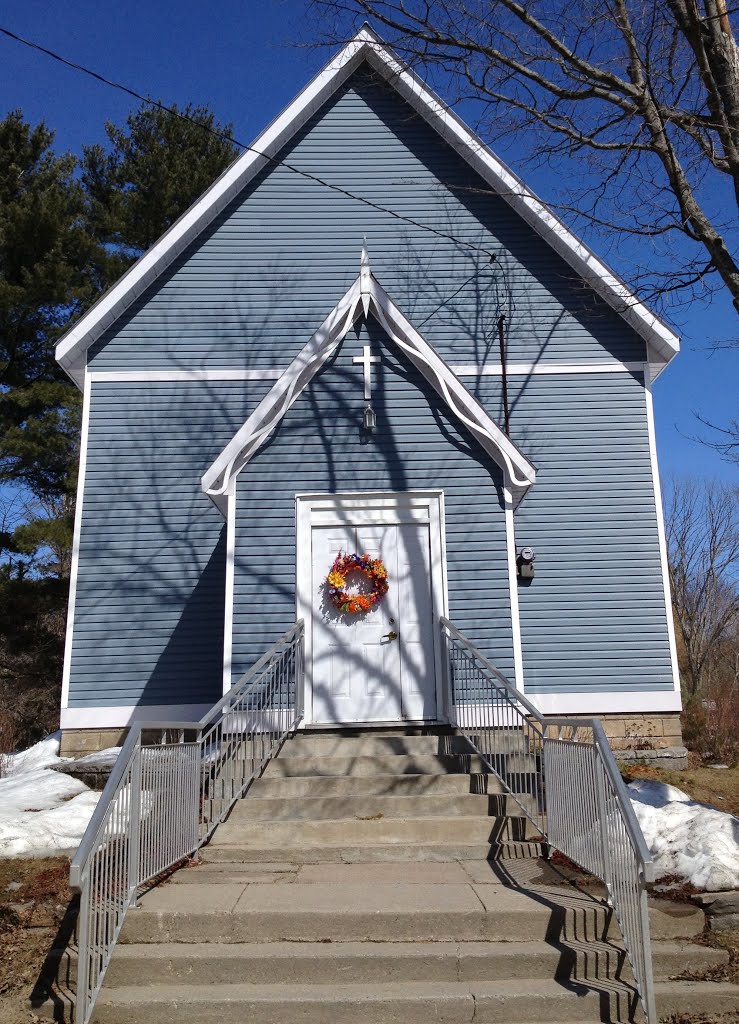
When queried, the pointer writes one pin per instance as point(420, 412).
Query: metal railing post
point(83, 958)
point(600, 790)
point(134, 835)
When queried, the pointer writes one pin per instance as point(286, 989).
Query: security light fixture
point(369, 420)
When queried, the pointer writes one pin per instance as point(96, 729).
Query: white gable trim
point(365, 296)
point(72, 347)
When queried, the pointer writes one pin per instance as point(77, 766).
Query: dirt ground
point(34, 898)
point(718, 787)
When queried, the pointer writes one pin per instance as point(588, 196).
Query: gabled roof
point(366, 46)
point(366, 297)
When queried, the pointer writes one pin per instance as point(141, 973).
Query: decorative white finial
point(365, 278)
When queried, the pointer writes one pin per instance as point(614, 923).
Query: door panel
point(360, 674)
point(418, 679)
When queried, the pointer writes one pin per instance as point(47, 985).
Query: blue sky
point(246, 61)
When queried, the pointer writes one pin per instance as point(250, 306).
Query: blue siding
point(320, 447)
point(594, 616)
point(150, 595)
point(257, 284)
point(148, 624)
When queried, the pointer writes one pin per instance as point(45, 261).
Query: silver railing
point(171, 785)
point(563, 775)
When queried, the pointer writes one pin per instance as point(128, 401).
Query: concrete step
point(498, 1002)
point(438, 853)
point(372, 785)
point(367, 807)
point(485, 1002)
point(382, 912)
point(294, 963)
point(373, 745)
point(289, 766)
point(374, 830)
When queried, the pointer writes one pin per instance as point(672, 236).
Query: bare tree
point(635, 104)
point(702, 525)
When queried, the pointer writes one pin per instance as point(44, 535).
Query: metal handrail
point(163, 800)
point(563, 775)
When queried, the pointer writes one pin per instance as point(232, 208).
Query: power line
point(276, 161)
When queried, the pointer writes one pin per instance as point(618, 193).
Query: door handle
point(392, 635)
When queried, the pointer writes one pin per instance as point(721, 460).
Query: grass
point(717, 787)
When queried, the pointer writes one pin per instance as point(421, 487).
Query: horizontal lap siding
point(257, 284)
point(594, 618)
point(148, 624)
point(417, 446)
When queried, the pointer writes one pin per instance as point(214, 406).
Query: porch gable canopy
point(366, 297)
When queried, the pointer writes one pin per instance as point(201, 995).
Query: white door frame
point(370, 508)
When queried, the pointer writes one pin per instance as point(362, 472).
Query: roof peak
point(71, 351)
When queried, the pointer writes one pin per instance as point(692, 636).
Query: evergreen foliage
point(69, 228)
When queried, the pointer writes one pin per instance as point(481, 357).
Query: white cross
point(367, 360)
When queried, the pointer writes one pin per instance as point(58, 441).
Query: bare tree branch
point(645, 96)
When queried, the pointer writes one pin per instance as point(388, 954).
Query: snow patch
point(685, 838)
point(43, 813)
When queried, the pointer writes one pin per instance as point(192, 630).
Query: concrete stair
point(385, 878)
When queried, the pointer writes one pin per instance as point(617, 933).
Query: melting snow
point(686, 838)
point(43, 813)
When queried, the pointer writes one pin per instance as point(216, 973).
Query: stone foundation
point(651, 737)
point(78, 742)
point(649, 731)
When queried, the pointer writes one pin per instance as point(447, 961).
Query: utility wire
point(275, 161)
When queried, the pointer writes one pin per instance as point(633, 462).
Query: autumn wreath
point(371, 568)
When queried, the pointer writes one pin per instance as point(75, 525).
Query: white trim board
point(366, 296)
point(364, 509)
point(662, 539)
point(116, 716)
point(274, 373)
point(540, 369)
point(228, 604)
point(366, 46)
point(164, 376)
point(74, 568)
point(610, 702)
point(510, 534)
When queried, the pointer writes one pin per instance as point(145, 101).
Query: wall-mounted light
point(369, 420)
point(525, 563)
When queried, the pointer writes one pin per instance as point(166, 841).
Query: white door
point(360, 672)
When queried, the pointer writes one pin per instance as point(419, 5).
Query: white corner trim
point(510, 535)
point(165, 376)
point(365, 45)
point(116, 716)
point(537, 369)
point(228, 605)
point(74, 567)
point(612, 702)
point(364, 296)
point(662, 538)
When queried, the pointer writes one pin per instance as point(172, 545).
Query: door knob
point(392, 635)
